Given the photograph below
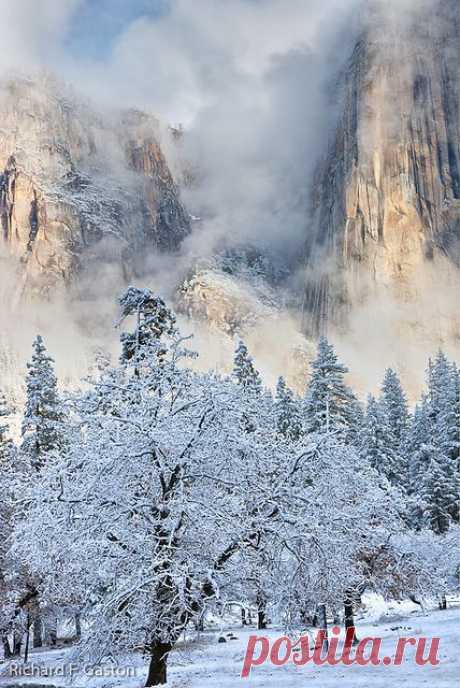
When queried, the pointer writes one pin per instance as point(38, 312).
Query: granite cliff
point(386, 203)
point(71, 179)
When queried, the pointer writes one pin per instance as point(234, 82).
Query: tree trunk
point(158, 663)
point(78, 626)
point(261, 620)
point(322, 614)
point(261, 612)
point(350, 618)
point(26, 651)
point(443, 603)
point(51, 634)
point(38, 632)
point(199, 624)
point(17, 643)
point(243, 617)
point(6, 648)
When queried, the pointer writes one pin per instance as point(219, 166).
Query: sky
point(97, 24)
point(172, 57)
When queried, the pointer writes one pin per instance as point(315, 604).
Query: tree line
point(156, 494)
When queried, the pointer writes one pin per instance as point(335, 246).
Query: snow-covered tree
point(447, 414)
point(15, 591)
point(444, 404)
point(419, 435)
point(439, 492)
point(345, 521)
point(395, 408)
point(330, 405)
point(287, 411)
point(248, 380)
point(43, 414)
point(432, 450)
point(244, 371)
point(6, 443)
point(6, 613)
point(42, 434)
point(374, 439)
point(153, 320)
point(438, 378)
point(171, 489)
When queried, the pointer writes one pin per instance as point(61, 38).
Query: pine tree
point(330, 405)
point(6, 444)
point(444, 404)
point(244, 370)
point(439, 494)
point(439, 375)
point(153, 321)
point(375, 445)
point(431, 447)
point(43, 416)
point(287, 412)
point(253, 396)
point(419, 443)
point(11, 573)
point(448, 415)
point(395, 407)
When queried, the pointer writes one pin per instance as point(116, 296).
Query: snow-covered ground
point(207, 663)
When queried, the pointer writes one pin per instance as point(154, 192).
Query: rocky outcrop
point(229, 303)
point(387, 199)
point(73, 183)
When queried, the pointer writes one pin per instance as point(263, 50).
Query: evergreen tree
point(287, 412)
point(330, 405)
point(395, 408)
point(375, 445)
point(43, 416)
point(6, 444)
point(420, 430)
point(11, 572)
point(439, 376)
point(448, 415)
point(444, 404)
point(439, 494)
point(431, 448)
point(244, 370)
point(418, 445)
point(153, 321)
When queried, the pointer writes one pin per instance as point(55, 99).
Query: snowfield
point(205, 662)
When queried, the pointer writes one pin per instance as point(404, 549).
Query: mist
point(255, 86)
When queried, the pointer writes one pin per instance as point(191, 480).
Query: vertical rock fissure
point(7, 197)
point(34, 224)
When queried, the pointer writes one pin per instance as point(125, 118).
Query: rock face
point(73, 184)
point(231, 304)
point(387, 198)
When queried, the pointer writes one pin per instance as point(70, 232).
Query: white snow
point(205, 663)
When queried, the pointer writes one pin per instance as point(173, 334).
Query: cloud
point(32, 34)
point(252, 82)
